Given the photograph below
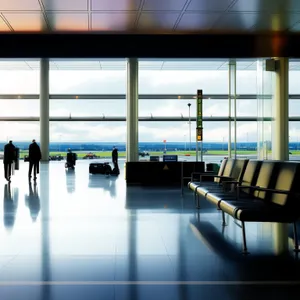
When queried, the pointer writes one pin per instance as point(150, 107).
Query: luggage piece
point(71, 160)
point(100, 168)
point(116, 170)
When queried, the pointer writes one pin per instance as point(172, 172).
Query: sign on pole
point(199, 125)
point(199, 116)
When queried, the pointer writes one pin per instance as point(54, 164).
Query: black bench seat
point(233, 172)
point(268, 191)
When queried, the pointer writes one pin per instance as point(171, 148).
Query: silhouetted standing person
point(114, 155)
point(35, 156)
point(9, 157)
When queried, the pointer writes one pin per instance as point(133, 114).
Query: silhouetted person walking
point(9, 157)
point(35, 156)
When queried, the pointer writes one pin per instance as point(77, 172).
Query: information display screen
point(170, 158)
point(154, 158)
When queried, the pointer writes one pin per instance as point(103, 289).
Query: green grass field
point(106, 154)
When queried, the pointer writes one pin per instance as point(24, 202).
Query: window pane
point(19, 82)
point(294, 77)
point(87, 108)
point(87, 131)
point(183, 82)
point(179, 108)
point(246, 107)
point(19, 131)
point(294, 108)
point(19, 108)
point(246, 82)
point(87, 82)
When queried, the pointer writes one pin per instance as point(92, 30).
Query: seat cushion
point(266, 213)
point(215, 197)
point(231, 207)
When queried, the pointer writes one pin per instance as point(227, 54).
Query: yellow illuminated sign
point(199, 134)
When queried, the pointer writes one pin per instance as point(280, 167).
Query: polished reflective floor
point(78, 236)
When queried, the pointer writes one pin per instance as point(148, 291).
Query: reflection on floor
point(79, 236)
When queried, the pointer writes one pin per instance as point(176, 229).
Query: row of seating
point(253, 191)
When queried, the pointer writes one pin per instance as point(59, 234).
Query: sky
point(150, 82)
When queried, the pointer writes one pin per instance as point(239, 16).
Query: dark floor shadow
point(70, 180)
point(32, 201)
point(10, 206)
point(160, 198)
point(254, 266)
point(105, 182)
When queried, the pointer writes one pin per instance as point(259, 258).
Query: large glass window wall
point(294, 109)
point(96, 89)
point(179, 81)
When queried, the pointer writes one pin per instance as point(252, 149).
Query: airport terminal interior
point(142, 234)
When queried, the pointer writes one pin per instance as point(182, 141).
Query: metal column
point(132, 153)
point(44, 108)
point(232, 96)
point(281, 137)
point(281, 110)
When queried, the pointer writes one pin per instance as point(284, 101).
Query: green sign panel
point(199, 116)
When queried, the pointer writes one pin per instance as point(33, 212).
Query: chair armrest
point(231, 182)
point(211, 174)
point(240, 187)
point(195, 173)
point(248, 187)
point(285, 192)
point(226, 178)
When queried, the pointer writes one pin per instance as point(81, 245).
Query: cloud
point(19, 131)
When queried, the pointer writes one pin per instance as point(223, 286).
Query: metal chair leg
point(296, 244)
point(198, 216)
point(223, 218)
point(245, 250)
point(198, 202)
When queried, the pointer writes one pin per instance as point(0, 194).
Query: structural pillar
point(281, 137)
point(132, 153)
point(44, 108)
point(281, 110)
point(232, 96)
point(265, 108)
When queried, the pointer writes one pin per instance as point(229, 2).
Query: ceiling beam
point(167, 45)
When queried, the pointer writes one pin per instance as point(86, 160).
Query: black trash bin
point(212, 167)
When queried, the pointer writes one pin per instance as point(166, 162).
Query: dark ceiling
point(149, 28)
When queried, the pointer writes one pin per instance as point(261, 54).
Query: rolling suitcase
point(115, 171)
point(100, 168)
